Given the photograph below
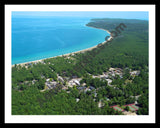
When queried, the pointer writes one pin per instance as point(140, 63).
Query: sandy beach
point(81, 51)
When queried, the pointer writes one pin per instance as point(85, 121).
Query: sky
point(93, 14)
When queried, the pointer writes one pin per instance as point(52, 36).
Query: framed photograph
point(80, 63)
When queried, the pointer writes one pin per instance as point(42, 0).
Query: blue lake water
point(39, 38)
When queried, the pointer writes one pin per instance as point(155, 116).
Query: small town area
point(75, 81)
point(109, 77)
point(114, 78)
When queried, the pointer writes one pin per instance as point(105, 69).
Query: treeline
point(133, 25)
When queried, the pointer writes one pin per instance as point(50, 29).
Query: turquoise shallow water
point(39, 38)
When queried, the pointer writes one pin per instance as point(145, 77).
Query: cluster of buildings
point(115, 71)
point(85, 89)
point(51, 84)
point(65, 81)
point(75, 81)
point(108, 76)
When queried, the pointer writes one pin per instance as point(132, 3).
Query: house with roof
point(76, 82)
point(109, 81)
point(135, 73)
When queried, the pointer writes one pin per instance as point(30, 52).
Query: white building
point(76, 82)
point(135, 73)
point(77, 99)
point(109, 81)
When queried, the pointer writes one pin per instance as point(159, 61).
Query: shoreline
point(67, 54)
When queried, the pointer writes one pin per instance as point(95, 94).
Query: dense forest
point(128, 51)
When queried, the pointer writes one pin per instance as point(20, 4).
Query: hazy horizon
point(91, 14)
